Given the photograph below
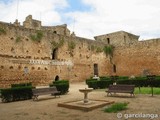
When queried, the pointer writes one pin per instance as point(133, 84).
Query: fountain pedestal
point(86, 91)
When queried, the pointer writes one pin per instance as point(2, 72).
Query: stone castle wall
point(24, 59)
point(139, 58)
point(19, 52)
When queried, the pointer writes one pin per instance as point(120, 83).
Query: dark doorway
point(96, 69)
point(108, 40)
point(54, 54)
point(114, 68)
point(56, 78)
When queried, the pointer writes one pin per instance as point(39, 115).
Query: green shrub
point(16, 94)
point(104, 83)
point(71, 45)
point(21, 85)
point(0, 93)
point(108, 50)
point(157, 78)
point(37, 37)
point(154, 83)
point(140, 82)
point(122, 77)
point(127, 82)
point(18, 39)
point(87, 80)
point(2, 31)
point(116, 107)
point(61, 81)
point(92, 84)
point(61, 85)
point(92, 47)
point(104, 78)
point(137, 81)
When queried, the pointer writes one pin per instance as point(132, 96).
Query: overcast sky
point(89, 18)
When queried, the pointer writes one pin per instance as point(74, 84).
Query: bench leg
point(109, 93)
point(132, 95)
point(56, 95)
point(35, 97)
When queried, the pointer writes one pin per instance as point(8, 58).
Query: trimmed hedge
point(95, 84)
point(21, 85)
point(104, 78)
point(0, 93)
point(16, 94)
point(61, 85)
point(104, 82)
point(92, 84)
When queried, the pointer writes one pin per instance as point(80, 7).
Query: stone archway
point(56, 78)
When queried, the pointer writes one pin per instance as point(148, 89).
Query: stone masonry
point(37, 54)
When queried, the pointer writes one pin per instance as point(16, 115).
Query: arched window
point(54, 54)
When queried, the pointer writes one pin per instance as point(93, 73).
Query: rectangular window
point(108, 40)
point(114, 68)
point(96, 69)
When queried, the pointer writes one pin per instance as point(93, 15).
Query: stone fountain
point(86, 91)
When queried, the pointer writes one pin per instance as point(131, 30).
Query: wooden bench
point(44, 91)
point(120, 89)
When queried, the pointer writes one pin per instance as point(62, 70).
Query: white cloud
point(139, 17)
point(46, 10)
point(136, 16)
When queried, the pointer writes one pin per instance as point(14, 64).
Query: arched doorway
point(56, 78)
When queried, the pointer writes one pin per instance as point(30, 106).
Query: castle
point(40, 54)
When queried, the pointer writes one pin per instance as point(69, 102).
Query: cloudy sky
point(89, 18)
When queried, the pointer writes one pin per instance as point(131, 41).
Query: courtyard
point(46, 107)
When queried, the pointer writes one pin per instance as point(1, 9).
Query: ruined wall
point(31, 23)
point(59, 29)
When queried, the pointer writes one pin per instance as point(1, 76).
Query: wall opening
point(108, 40)
point(56, 78)
point(96, 69)
point(54, 53)
point(2, 67)
point(55, 32)
point(124, 39)
point(26, 70)
point(114, 68)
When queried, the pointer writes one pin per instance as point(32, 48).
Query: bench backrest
point(41, 90)
point(122, 87)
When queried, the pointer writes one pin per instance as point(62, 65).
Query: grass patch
point(37, 37)
point(18, 39)
point(147, 90)
point(71, 45)
point(116, 107)
point(108, 50)
point(2, 31)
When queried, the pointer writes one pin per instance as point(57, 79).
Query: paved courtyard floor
point(46, 108)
